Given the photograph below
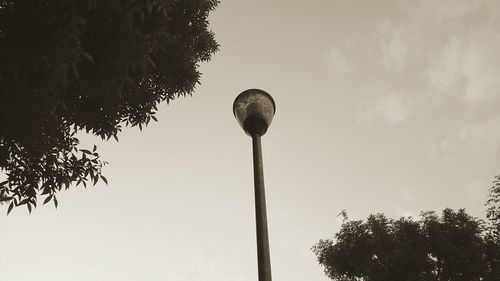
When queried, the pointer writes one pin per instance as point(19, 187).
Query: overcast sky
point(382, 106)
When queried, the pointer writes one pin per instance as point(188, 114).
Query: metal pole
point(263, 253)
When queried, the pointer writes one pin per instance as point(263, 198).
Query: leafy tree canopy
point(493, 204)
point(91, 65)
point(452, 246)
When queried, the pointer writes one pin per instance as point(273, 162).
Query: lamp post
point(254, 109)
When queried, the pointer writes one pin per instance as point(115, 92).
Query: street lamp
point(254, 109)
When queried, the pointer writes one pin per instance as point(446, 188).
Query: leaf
point(149, 7)
point(96, 178)
point(95, 148)
point(60, 76)
point(60, 69)
point(63, 105)
point(87, 56)
point(55, 202)
point(141, 15)
point(29, 208)
point(47, 199)
point(151, 62)
point(75, 71)
point(129, 3)
point(10, 207)
point(4, 182)
point(154, 118)
point(85, 151)
point(104, 180)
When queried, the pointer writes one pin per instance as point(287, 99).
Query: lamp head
point(254, 109)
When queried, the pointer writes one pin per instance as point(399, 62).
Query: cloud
point(436, 59)
point(451, 44)
point(441, 149)
point(483, 133)
point(393, 46)
point(465, 68)
point(460, 60)
point(445, 70)
point(481, 72)
point(337, 61)
point(440, 13)
point(392, 108)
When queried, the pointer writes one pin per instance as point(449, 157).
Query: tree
point(493, 211)
point(87, 65)
point(454, 246)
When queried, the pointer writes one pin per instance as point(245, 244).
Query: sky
point(382, 106)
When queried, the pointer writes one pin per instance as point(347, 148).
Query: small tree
point(454, 246)
point(72, 65)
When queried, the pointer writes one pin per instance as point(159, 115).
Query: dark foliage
point(91, 65)
point(493, 211)
point(451, 247)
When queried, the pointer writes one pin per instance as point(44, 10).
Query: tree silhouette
point(454, 246)
point(91, 65)
point(493, 211)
